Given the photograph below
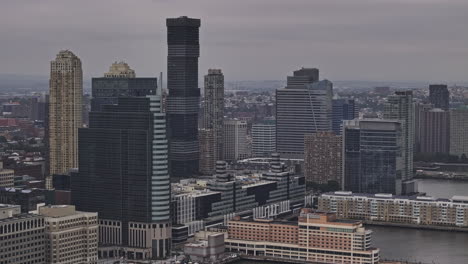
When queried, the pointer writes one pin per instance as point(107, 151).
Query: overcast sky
point(422, 40)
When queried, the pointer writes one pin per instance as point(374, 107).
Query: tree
point(463, 158)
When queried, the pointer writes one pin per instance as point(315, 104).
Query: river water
point(425, 246)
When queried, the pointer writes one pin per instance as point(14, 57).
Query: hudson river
point(426, 246)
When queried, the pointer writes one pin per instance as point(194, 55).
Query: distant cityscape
point(127, 169)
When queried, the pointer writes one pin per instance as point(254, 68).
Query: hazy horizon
point(368, 40)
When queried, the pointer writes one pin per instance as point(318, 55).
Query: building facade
point(419, 210)
point(120, 81)
point(184, 96)
point(372, 156)
point(400, 106)
point(22, 236)
point(263, 139)
point(439, 96)
point(315, 238)
point(304, 106)
point(65, 111)
point(459, 131)
point(71, 236)
point(214, 110)
point(235, 140)
point(323, 158)
point(207, 140)
point(343, 109)
point(435, 131)
point(419, 109)
point(7, 177)
point(124, 177)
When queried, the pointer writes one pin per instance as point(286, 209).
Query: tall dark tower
point(184, 95)
point(439, 96)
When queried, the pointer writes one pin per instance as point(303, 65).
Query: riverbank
point(415, 226)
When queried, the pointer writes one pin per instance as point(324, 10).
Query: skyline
point(391, 40)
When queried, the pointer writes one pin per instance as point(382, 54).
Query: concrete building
point(22, 237)
point(184, 96)
point(7, 177)
point(343, 109)
point(120, 81)
point(206, 137)
point(304, 106)
point(372, 156)
point(435, 131)
point(123, 175)
point(235, 140)
point(65, 111)
point(263, 139)
point(400, 106)
point(213, 117)
point(418, 210)
point(323, 157)
point(439, 96)
point(459, 131)
point(315, 237)
point(209, 249)
point(419, 109)
point(72, 236)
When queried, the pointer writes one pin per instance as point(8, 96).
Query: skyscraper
point(322, 157)
point(304, 106)
point(264, 139)
point(120, 81)
point(343, 109)
point(459, 131)
point(419, 109)
point(214, 110)
point(435, 131)
point(65, 108)
point(400, 106)
point(184, 95)
point(439, 96)
point(235, 140)
point(206, 138)
point(372, 156)
point(123, 175)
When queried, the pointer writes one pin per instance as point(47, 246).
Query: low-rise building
point(72, 236)
point(421, 210)
point(316, 237)
point(210, 248)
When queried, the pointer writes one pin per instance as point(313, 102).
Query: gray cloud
point(248, 39)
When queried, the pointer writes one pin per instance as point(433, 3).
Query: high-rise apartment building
point(435, 131)
point(304, 106)
point(235, 140)
point(323, 157)
point(419, 109)
point(120, 81)
point(214, 108)
point(459, 131)
point(22, 236)
point(264, 139)
point(123, 175)
point(184, 96)
point(439, 96)
point(372, 150)
point(343, 109)
point(65, 108)
point(71, 236)
point(206, 137)
point(315, 238)
point(400, 106)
